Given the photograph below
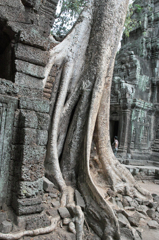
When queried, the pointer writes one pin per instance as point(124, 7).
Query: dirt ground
point(150, 234)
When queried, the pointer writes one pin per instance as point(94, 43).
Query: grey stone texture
point(64, 213)
point(79, 199)
point(134, 111)
point(24, 113)
point(47, 185)
point(6, 226)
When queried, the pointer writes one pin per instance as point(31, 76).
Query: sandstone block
point(64, 213)
point(30, 92)
point(24, 80)
point(43, 121)
point(56, 204)
point(134, 219)
point(30, 69)
point(6, 227)
point(79, 199)
point(153, 224)
point(32, 54)
point(151, 213)
point(37, 221)
point(35, 104)
point(123, 221)
point(28, 119)
point(47, 185)
point(30, 189)
point(42, 137)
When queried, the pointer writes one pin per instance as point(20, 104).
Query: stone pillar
point(124, 133)
point(7, 109)
point(30, 142)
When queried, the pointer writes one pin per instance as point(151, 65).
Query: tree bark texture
point(80, 104)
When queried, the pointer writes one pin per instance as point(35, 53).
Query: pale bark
point(86, 59)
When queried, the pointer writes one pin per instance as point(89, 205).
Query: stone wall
point(24, 108)
point(135, 89)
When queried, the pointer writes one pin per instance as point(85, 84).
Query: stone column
point(30, 142)
point(124, 133)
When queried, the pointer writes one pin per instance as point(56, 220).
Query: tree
point(66, 16)
point(80, 107)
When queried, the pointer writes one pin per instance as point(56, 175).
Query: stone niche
point(7, 68)
point(24, 107)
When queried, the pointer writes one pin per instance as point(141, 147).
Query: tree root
point(36, 232)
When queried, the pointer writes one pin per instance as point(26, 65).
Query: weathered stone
point(142, 209)
point(56, 204)
point(32, 54)
point(30, 92)
point(151, 213)
point(35, 104)
point(52, 212)
point(30, 69)
point(47, 185)
point(6, 226)
point(64, 213)
point(53, 195)
point(3, 216)
point(7, 87)
point(32, 168)
point(43, 121)
point(42, 137)
point(30, 189)
point(79, 199)
point(123, 221)
point(37, 221)
point(134, 219)
point(126, 234)
point(153, 224)
point(28, 119)
point(28, 81)
point(119, 204)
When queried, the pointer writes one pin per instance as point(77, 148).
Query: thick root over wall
point(85, 61)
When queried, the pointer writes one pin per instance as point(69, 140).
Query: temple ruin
point(134, 106)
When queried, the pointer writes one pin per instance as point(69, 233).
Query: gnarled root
point(36, 232)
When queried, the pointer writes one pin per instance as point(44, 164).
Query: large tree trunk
point(85, 61)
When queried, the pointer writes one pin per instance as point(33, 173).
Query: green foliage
point(69, 12)
point(138, 8)
point(132, 23)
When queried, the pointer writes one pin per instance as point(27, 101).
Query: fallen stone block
point(6, 227)
point(56, 204)
point(79, 199)
point(47, 185)
point(151, 213)
point(134, 219)
point(64, 213)
point(153, 224)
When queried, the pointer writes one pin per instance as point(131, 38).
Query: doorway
point(114, 130)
